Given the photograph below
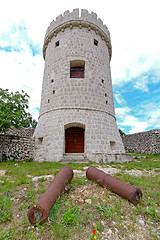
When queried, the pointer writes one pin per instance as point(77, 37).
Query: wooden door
point(74, 140)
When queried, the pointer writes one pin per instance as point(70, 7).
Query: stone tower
point(77, 118)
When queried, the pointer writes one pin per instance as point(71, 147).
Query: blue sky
point(135, 63)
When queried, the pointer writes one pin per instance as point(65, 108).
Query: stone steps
point(74, 157)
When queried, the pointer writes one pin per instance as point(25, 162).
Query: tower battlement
point(80, 19)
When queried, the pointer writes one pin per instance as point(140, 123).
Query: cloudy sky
point(134, 26)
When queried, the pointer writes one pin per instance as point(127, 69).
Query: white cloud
point(136, 49)
point(134, 36)
point(154, 118)
point(21, 64)
point(141, 84)
point(123, 72)
point(128, 120)
point(22, 71)
point(138, 127)
point(150, 117)
point(34, 111)
point(120, 100)
point(151, 111)
point(121, 112)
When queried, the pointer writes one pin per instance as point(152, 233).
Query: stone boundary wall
point(143, 142)
point(19, 144)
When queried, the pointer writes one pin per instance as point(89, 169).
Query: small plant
point(54, 211)
point(28, 160)
point(80, 181)
point(42, 179)
point(106, 211)
point(99, 227)
point(5, 209)
point(150, 210)
point(25, 205)
point(30, 193)
point(71, 216)
point(22, 180)
point(55, 172)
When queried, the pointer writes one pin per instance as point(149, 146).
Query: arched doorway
point(74, 140)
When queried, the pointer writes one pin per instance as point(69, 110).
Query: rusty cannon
point(38, 213)
point(133, 194)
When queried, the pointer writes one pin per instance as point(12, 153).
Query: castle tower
point(77, 115)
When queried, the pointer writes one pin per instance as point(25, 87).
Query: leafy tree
point(121, 132)
point(13, 112)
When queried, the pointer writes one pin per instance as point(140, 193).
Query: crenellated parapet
point(73, 19)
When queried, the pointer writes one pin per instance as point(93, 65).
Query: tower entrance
point(74, 140)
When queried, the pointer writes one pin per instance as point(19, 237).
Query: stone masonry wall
point(19, 144)
point(143, 142)
point(77, 39)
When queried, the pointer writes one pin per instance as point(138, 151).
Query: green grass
point(150, 162)
point(107, 212)
point(71, 215)
point(69, 219)
point(5, 209)
point(80, 181)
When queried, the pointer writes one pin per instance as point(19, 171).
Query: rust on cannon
point(133, 194)
point(40, 210)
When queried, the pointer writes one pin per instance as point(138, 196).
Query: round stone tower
point(77, 118)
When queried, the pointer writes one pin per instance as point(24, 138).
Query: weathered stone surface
point(19, 144)
point(143, 142)
point(77, 102)
point(23, 147)
point(89, 201)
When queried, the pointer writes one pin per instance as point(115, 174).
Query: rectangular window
point(77, 72)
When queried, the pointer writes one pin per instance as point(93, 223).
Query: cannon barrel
point(40, 210)
point(133, 194)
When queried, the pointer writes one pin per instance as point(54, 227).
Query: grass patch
point(71, 216)
point(80, 181)
point(5, 209)
point(145, 161)
point(70, 219)
point(107, 212)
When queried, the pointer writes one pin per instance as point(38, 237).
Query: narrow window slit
point(40, 140)
point(112, 145)
point(95, 42)
point(57, 43)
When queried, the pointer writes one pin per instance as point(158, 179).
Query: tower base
point(107, 158)
point(97, 157)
